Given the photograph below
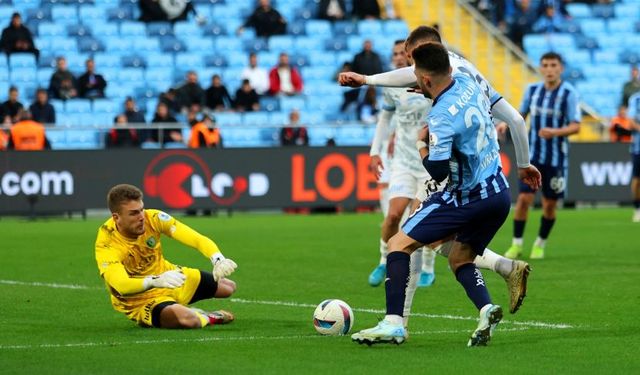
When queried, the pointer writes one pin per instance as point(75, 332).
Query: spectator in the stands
point(17, 38)
point(368, 106)
point(91, 85)
point(549, 22)
point(284, 78)
point(332, 10)
point(217, 97)
point(257, 76)
point(519, 20)
point(204, 134)
point(12, 106)
point(620, 128)
point(265, 20)
point(351, 95)
point(27, 135)
point(167, 134)
point(246, 98)
point(190, 92)
point(367, 61)
point(366, 9)
point(167, 11)
point(131, 112)
point(41, 110)
point(121, 135)
point(389, 9)
point(62, 84)
point(632, 86)
point(294, 133)
point(170, 99)
point(5, 128)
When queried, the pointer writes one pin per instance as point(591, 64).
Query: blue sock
point(636, 203)
point(545, 227)
point(473, 283)
point(396, 285)
point(518, 228)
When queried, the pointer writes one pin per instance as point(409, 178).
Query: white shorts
point(404, 183)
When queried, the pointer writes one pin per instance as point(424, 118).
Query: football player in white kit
point(515, 273)
point(407, 176)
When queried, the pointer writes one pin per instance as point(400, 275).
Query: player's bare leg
point(525, 200)
point(635, 193)
point(546, 224)
point(390, 226)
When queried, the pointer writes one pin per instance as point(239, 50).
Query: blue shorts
point(636, 165)
point(553, 182)
point(474, 223)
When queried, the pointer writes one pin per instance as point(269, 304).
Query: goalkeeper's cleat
point(537, 252)
point(513, 252)
point(384, 332)
point(426, 279)
point(490, 316)
point(377, 275)
point(221, 317)
point(517, 284)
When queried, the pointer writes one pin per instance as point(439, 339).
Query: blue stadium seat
point(225, 12)
point(131, 75)
point(189, 60)
point(133, 61)
point(228, 119)
point(577, 57)
point(397, 29)
point(57, 138)
point(612, 42)
point(106, 60)
point(20, 76)
point(64, 14)
point(299, 60)
point(307, 43)
point(90, 14)
point(338, 44)
point(104, 106)
point(144, 45)
point(318, 58)
point(43, 76)
point(58, 105)
point(278, 43)
point(319, 135)
point(40, 14)
point(212, 29)
point(104, 30)
point(579, 10)
point(370, 28)
point(627, 11)
point(217, 61)
point(198, 44)
point(76, 62)
point(132, 28)
point(296, 28)
point(120, 14)
point(22, 60)
point(318, 73)
point(64, 46)
point(328, 104)
point(561, 41)
point(78, 106)
point(110, 74)
point(267, 60)
point(159, 29)
point(342, 57)
point(77, 30)
point(255, 119)
point(82, 139)
point(629, 57)
point(237, 59)
point(620, 26)
point(51, 29)
point(355, 43)
point(320, 28)
point(230, 44)
point(242, 137)
point(255, 45)
point(312, 117)
point(278, 118)
point(63, 119)
point(351, 135)
point(287, 104)
point(605, 11)
point(4, 78)
point(159, 60)
point(605, 57)
point(592, 26)
point(535, 41)
point(632, 41)
point(187, 29)
point(159, 74)
point(172, 44)
point(270, 104)
point(344, 28)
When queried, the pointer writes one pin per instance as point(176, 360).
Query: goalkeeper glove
point(222, 267)
point(170, 279)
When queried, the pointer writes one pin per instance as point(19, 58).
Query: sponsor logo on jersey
point(151, 241)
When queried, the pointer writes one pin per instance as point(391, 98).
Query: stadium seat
point(370, 28)
point(57, 104)
point(321, 58)
point(189, 61)
point(76, 62)
point(131, 28)
point(627, 11)
point(104, 106)
point(318, 73)
point(4, 77)
point(397, 29)
point(172, 45)
point(103, 30)
point(287, 104)
point(78, 106)
point(237, 59)
point(120, 14)
point(338, 44)
point(267, 60)
point(255, 119)
point(51, 29)
point(319, 135)
point(579, 10)
point(278, 118)
point(133, 61)
point(308, 117)
point(341, 28)
point(40, 14)
point(159, 60)
point(106, 60)
point(320, 28)
point(213, 29)
point(269, 104)
point(43, 76)
point(20, 76)
point(159, 29)
point(22, 60)
point(88, 15)
point(255, 45)
point(187, 29)
point(198, 44)
point(64, 14)
point(306, 43)
point(159, 74)
point(64, 45)
point(217, 61)
point(604, 57)
point(278, 43)
point(228, 119)
point(296, 28)
point(131, 75)
point(592, 26)
point(77, 30)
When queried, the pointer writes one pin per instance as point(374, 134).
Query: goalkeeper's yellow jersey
point(124, 262)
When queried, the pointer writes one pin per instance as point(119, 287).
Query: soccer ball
point(333, 317)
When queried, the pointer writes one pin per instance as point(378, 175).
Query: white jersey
point(409, 111)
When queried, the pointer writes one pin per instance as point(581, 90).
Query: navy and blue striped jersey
point(550, 109)
point(633, 111)
point(462, 132)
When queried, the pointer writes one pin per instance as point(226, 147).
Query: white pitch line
point(210, 339)
point(307, 305)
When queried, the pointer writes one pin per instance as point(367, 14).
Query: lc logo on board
point(179, 177)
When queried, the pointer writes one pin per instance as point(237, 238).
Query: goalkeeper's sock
point(204, 319)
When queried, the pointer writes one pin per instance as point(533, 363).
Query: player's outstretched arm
point(117, 277)
point(403, 77)
point(222, 267)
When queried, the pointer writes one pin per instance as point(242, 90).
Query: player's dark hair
point(120, 194)
point(398, 41)
point(552, 56)
point(423, 34)
point(432, 57)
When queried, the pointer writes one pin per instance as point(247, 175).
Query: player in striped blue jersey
point(555, 115)
point(634, 114)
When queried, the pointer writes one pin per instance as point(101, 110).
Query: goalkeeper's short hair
point(120, 194)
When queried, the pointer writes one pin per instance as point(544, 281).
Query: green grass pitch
point(580, 316)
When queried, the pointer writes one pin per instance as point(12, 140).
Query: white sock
point(384, 201)
point(517, 241)
point(393, 319)
point(412, 284)
point(540, 242)
point(384, 250)
point(494, 262)
point(428, 259)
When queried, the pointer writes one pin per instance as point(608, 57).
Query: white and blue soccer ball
point(333, 317)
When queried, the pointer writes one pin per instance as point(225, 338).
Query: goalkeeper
point(143, 285)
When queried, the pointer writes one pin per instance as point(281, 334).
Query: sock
point(540, 242)
point(636, 204)
point(393, 319)
point(412, 285)
point(545, 227)
point(383, 252)
point(518, 230)
point(428, 259)
point(396, 283)
point(384, 201)
point(473, 283)
point(494, 262)
point(204, 319)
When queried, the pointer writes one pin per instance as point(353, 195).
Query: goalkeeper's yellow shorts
point(140, 310)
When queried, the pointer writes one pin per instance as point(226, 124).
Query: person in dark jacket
point(190, 92)
point(90, 84)
point(41, 110)
point(121, 136)
point(265, 20)
point(217, 97)
point(367, 62)
point(17, 38)
point(246, 98)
